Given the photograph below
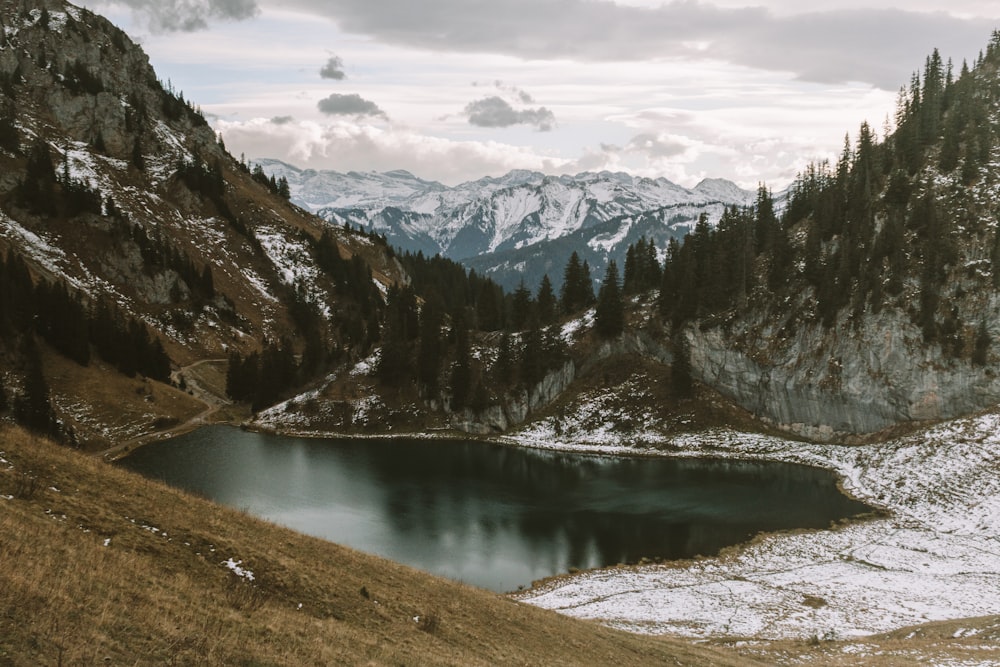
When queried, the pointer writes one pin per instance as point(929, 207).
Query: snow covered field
point(935, 556)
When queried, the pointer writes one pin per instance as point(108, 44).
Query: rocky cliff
point(848, 381)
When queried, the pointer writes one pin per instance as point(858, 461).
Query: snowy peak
point(490, 214)
point(315, 190)
point(723, 191)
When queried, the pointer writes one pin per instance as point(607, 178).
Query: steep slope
point(873, 301)
point(116, 187)
point(101, 566)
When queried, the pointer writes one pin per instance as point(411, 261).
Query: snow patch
point(367, 366)
point(573, 328)
point(935, 556)
point(236, 567)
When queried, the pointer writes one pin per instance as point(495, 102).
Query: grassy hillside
point(99, 566)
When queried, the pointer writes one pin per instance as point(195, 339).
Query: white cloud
point(346, 145)
point(685, 113)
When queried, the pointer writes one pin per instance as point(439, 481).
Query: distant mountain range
point(516, 227)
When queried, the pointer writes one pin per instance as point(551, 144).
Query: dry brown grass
point(99, 566)
point(105, 407)
point(972, 641)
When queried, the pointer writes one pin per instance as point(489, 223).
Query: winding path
point(210, 399)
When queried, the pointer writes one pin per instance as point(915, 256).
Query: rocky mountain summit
point(518, 226)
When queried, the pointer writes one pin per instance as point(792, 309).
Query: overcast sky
point(454, 90)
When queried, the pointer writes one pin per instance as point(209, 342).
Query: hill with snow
point(520, 225)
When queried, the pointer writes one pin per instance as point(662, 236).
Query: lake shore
point(933, 556)
point(936, 556)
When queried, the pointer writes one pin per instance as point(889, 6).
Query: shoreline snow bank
point(936, 556)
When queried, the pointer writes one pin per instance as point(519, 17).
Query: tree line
point(849, 239)
point(855, 234)
point(51, 311)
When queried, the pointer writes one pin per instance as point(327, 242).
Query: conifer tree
point(610, 317)
point(553, 346)
point(283, 190)
point(520, 307)
point(545, 302)
point(642, 268)
point(276, 373)
point(667, 299)
point(680, 371)
point(587, 286)
point(37, 190)
point(766, 229)
point(237, 380)
point(9, 138)
point(532, 357)
point(461, 371)
point(578, 288)
point(503, 366)
point(430, 344)
point(399, 329)
point(569, 298)
point(629, 279)
point(489, 307)
point(33, 408)
point(649, 265)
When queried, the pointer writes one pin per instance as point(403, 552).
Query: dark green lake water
point(493, 516)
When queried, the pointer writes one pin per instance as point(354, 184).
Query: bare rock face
point(516, 408)
point(96, 86)
point(847, 381)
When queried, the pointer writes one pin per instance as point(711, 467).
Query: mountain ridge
point(475, 220)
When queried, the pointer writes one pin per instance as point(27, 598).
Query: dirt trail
point(199, 390)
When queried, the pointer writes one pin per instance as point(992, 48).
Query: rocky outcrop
point(639, 342)
point(97, 84)
point(846, 381)
point(516, 408)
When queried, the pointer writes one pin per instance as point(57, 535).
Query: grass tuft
point(25, 486)
point(243, 595)
point(429, 622)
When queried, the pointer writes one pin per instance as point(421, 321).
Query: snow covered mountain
point(511, 215)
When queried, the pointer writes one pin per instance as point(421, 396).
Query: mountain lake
point(494, 516)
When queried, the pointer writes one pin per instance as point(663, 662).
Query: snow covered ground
point(934, 556)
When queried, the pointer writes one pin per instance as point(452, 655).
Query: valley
point(151, 284)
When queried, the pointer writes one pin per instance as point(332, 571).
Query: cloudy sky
point(454, 90)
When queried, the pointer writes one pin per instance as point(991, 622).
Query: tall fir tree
point(546, 302)
point(521, 307)
point(33, 407)
point(503, 366)
point(680, 372)
point(460, 381)
point(532, 356)
point(578, 289)
point(609, 320)
point(430, 345)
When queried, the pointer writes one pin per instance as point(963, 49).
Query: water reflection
point(493, 516)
